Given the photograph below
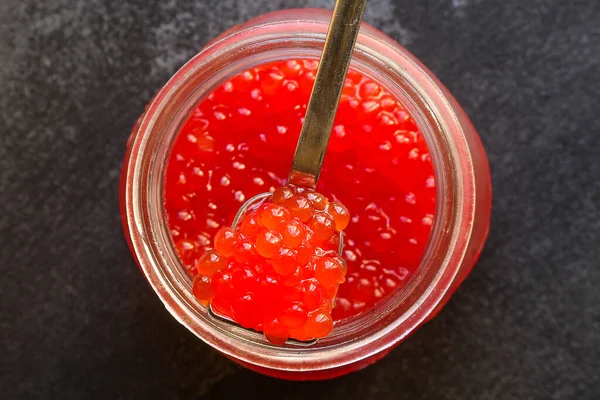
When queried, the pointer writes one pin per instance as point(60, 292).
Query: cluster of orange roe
point(278, 271)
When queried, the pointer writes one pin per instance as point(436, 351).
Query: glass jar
point(463, 192)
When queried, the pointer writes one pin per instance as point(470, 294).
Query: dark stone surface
point(79, 322)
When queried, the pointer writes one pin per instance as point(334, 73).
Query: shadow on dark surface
point(78, 320)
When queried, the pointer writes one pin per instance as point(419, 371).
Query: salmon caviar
point(224, 241)
point(210, 263)
point(290, 295)
point(239, 141)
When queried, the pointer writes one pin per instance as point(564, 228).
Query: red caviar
point(239, 142)
point(286, 297)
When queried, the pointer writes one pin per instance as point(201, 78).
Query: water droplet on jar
point(291, 85)
point(238, 165)
point(211, 223)
point(402, 273)
point(256, 95)
point(204, 239)
point(405, 220)
point(243, 147)
point(427, 220)
point(350, 255)
point(386, 118)
point(369, 266)
point(244, 111)
point(430, 182)
point(385, 146)
point(371, 106)
point(239, 196)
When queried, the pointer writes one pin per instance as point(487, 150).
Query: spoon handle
point(325, 96)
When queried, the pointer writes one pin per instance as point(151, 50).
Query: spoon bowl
point(252, 204)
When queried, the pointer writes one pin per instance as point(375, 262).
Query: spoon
point(320, 114)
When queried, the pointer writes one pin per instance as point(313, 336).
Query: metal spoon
point(320, 114)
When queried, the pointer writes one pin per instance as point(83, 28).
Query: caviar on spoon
point(290, 240)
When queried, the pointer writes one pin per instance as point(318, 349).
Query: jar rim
point(461, 202)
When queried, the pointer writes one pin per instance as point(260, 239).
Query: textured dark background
point(78, 320)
